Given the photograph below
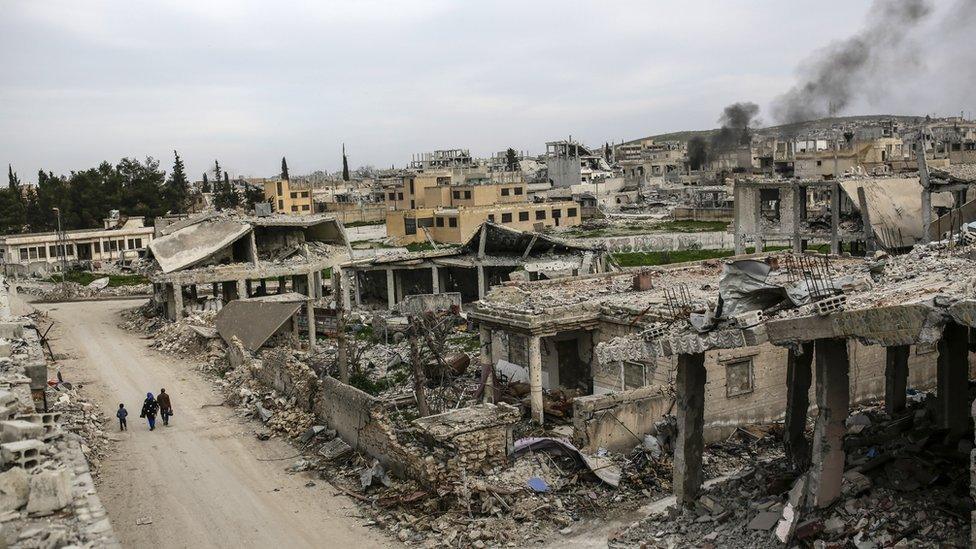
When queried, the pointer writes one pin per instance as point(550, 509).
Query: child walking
point(121, 414)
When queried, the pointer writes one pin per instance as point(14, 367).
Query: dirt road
point(198, 480)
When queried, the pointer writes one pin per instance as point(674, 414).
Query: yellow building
point(451, 213)
point(288, 197)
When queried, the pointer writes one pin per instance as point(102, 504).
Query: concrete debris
point(372, 474)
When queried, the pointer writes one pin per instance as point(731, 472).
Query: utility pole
point(61, 252)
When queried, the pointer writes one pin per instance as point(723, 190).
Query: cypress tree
point(206, 184)
point(284, 169)
point(345, 164)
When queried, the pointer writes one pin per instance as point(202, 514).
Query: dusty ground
point(199, 480)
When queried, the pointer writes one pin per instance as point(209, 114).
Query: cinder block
point(831, 305)
point(49, 421)
point(24, 453)
point(13, 430)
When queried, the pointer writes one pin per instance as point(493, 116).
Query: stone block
point(11, 330)
point(25, 453)
point(14, 430)
point(49, 491)
point(14, 489)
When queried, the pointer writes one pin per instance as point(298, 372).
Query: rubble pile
point(72, 291)
point(82, 418)
point(904, 486)
point(193, 336)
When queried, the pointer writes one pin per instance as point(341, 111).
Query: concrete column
point(359, 296)
point(688, 448)
point(317, 276)
point(896, 378)
point(487, 364)
point(242, 290)
point(798, 378)
point(345, 286)
point(738, 211)
point(215, 289)
point(282, 285)
point(435, 280)
point(398, 284)
point(299, 284)
point(758, 240)
point(310, 313)
point(264, 286)
point(177, 301)
point(310, 290)
point(390, 290)
point(797, 220)
point(481, 282)
point(250, 287)
point(833, 400)
point(835, 219)
point(535, 378)
point(953, 379)
point(170, 301)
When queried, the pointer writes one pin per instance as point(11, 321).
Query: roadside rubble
point(904, 487)
point(51, 443)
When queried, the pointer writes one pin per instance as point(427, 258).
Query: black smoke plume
point(843, 71)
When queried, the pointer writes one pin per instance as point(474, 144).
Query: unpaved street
point(200, 480)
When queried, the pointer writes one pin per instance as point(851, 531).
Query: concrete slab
point(195, 243)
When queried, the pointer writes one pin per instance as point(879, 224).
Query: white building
point(120, 238)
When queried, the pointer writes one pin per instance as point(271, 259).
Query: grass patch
point(648, 227)
point(362, 381)
point(646, 259)
point(114, 280)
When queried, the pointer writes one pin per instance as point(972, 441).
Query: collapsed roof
point(254, 321)
point(191, 244)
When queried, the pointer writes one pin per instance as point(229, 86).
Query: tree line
point(84, 198)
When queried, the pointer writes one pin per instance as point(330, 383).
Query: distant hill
point(789, 129)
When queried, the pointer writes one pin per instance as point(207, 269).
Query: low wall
point(663, 242)
point(617, 421)
point(703, 214)
point(354, 213)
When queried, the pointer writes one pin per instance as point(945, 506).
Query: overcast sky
point(247, 82)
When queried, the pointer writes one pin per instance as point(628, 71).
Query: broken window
point(506, 218)
point(279, 188)
point(138, 243)
point(633, 375)
point(399, 196)
point(281, 205)
point(556, 213)
point(440, 221)
point(738, 377)
point(452, 221)
point(132, 243)
point(32, 252)
point(23, 254)
point(71, 249)
point(41, 252)
point(523, 216)
point(409, 225)
point(392, 196)
point(506, 191)
point(540, 214)
point(467, 194)
point(305, 207)
point(425, 222)
point(518, 190)
point(113, 245)
point(53, 251)
point(491, 217)
point(570, 212)
point(294, 208)
point(294, 195)
point(770, 203)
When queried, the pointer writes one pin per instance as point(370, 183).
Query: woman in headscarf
point(149, 409)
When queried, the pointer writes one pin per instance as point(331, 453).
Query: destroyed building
point(210, 260)
point(492, 255)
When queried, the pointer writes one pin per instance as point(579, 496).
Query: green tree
point(217, 171)
point(226, 196)
point(284, 169)
point(511, 160)
point(177, 190)
point(12, 180)
point(345, 164)
point(252, 195)
point(206, 184)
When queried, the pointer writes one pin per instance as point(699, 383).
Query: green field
point(645, 259)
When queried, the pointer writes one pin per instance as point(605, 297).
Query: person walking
point(122, 414)
point(165, 406)
point(149, 409)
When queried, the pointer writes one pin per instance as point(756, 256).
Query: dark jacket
point(164, 403)
point(121, 413)
point(149, 408)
